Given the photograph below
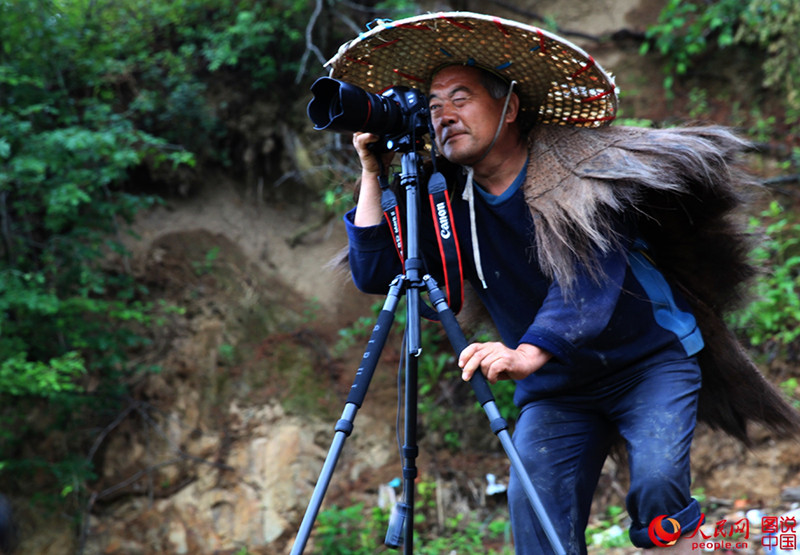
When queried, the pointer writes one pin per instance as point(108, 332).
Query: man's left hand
point(498, 362)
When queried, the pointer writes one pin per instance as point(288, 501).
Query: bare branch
point(780, 180)
point(349, 22)
point(108, 429)
point(310, 46)
point(182, 454)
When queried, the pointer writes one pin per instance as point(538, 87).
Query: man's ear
point(513, 108)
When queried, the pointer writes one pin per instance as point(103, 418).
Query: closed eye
point(457, 101)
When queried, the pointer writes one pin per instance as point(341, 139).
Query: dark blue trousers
point(564, 441)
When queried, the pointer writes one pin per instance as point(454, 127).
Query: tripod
point(412, 282)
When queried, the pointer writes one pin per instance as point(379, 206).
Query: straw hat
point(557, 82)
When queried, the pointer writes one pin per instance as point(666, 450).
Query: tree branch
point(310, 46)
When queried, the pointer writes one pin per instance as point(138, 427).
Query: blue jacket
point(603, 330)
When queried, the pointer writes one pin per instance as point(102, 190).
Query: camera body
point(399, 116)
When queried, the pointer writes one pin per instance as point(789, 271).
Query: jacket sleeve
point(568, 320)
point(374, 262)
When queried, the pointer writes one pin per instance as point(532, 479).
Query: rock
point(274, 466)
point(791, 494)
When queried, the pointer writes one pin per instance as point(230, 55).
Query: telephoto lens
point(340, 106)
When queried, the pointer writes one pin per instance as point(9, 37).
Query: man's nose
point(447, 115)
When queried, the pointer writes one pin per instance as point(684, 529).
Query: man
point(598, 340)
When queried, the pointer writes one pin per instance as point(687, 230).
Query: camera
point(399, 115)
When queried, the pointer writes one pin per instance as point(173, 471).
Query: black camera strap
point(447, 240)
point(391, 212)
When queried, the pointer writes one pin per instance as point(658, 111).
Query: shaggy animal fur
point(685, 192)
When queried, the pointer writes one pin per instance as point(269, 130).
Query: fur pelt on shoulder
point(686, 194)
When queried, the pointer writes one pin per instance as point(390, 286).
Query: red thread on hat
point(385, 44)
point(500, 27)
point(542, 46)
point(597, 96)
point(408, 76)
point(357, 61)
point(589, 64)
point(457, 23)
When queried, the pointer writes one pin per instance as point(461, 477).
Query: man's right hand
point(369, 162)
point(368, 211)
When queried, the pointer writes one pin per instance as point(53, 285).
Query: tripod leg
point(498, 423)
point(410, 449)
point(344, 426)
point(401, 522)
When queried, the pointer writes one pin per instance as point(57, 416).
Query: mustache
point(448, 132)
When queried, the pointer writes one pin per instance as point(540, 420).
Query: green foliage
point(688, 29)
point(262, 40)
point(607, 531)
point(772, 321)
point(791, 388)
point(207, 264)
point(92, 92)
point(398, 9)
point(356, 530)
point(350, 530)
point(774, 26)
point(170, 54)
point(20, 377)
point(66, 312)
point(685, 29)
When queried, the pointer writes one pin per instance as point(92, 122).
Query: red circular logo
point(661, 537)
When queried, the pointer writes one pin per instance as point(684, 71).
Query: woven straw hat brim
point(557, 82)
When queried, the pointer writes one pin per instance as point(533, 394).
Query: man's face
point(464, 115)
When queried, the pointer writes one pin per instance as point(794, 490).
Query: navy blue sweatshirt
point(602, 331)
